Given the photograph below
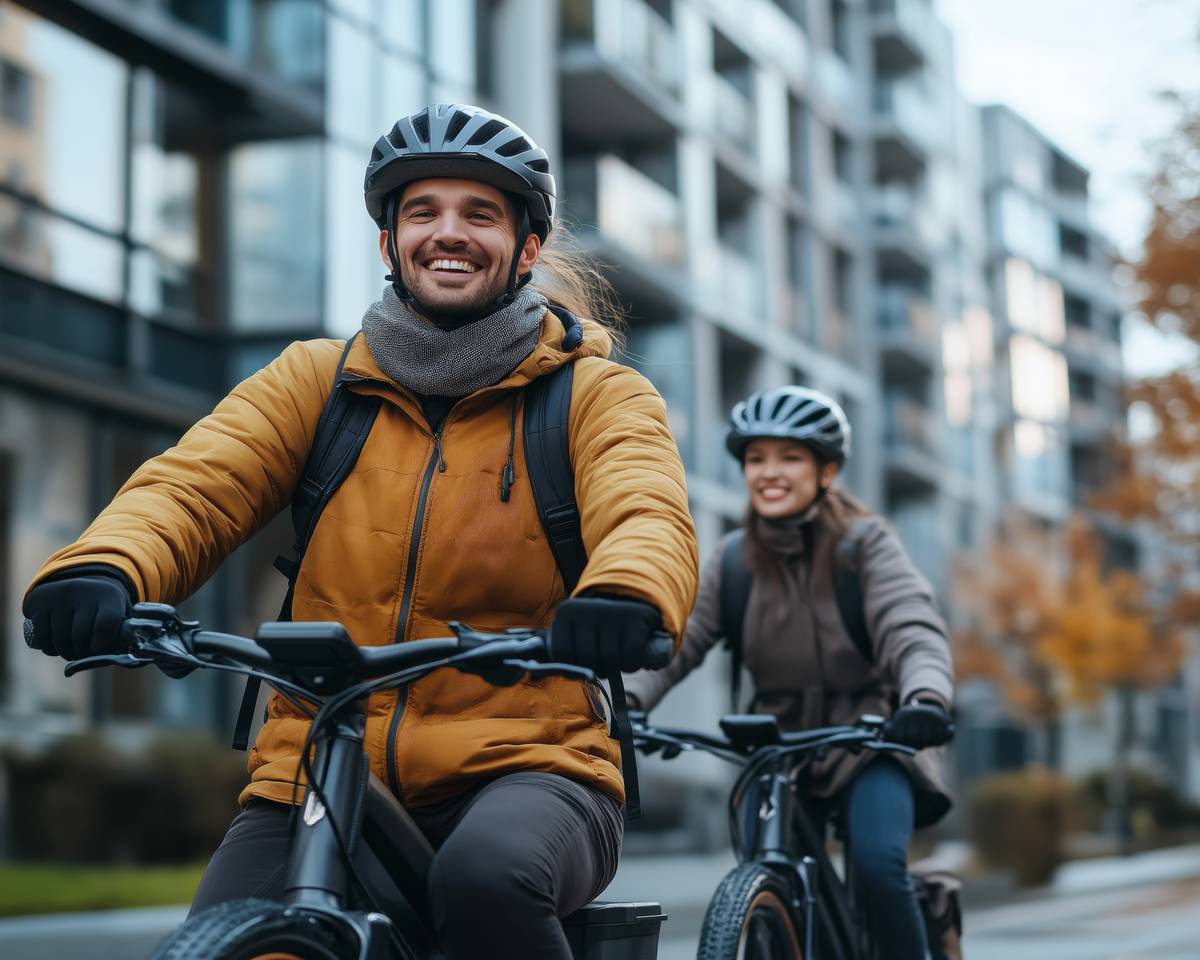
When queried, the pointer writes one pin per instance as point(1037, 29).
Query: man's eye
point(481, 216)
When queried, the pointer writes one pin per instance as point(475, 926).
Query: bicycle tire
point(750, 918)
point(257, 930)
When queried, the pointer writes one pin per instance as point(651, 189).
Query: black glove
point(78, 616)
point(606, 634)
point(920, 725)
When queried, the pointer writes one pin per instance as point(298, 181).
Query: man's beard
point(455, 315)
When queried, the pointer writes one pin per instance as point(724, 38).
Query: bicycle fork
point(318, 878)
point(775, 840)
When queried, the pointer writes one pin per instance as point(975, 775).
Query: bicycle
point(785, 899)
point(357, 863)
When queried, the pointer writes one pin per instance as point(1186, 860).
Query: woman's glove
point(920, 724)
point(606, 634)
point(78, 616)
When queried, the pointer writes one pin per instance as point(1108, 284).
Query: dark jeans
point(876, 811)
point(512, 858)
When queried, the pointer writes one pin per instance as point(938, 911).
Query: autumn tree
point(1053, 628)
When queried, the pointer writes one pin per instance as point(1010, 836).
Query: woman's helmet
point(464, 142)
point(791, 413)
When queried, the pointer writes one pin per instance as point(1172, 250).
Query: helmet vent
point(421, 124)
point(457, 122)
point(513, 147)
point(541, 166)
point(485, 133)
point(396, 138)
point(376, 155)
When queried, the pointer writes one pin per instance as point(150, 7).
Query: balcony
point(908, 334)
point(903, 33)
point(733, 115)
point(1087, 279)
point(905, 230)
point(740, 285)
point(1085, 346)
point(640, 218)
point(913, 439)
point(1089, 424)
point(620, 71)
point(906, 129)
point(834, 83)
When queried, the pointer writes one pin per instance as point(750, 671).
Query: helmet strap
point(402, 292)
point(514, 283)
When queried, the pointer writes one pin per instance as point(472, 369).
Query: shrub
point(82, 802)
point(1150, 800)
point(1018, 822)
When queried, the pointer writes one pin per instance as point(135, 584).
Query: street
point(1160, 921)
point(1085, 916)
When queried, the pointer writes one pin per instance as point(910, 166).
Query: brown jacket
point(479, 560)
point(817, 676)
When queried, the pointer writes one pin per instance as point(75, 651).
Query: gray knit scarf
point(434, 362)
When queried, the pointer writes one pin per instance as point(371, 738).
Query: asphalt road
point(1159, 920)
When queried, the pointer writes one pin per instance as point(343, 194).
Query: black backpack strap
point(551, 475)
point(848, 590)
point(552, 479)
point(736, 581)
point(342, 429)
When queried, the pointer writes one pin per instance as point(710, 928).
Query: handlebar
point(322, 655)
point(671, 742)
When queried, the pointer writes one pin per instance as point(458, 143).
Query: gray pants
point(512, 858)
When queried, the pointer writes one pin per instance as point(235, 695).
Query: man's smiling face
point(455, 241)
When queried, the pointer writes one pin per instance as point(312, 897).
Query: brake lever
point(127, 660)
point(534, 667)
point(888, 745)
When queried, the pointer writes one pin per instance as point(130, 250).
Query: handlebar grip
point(30, 641)
point(660, 652)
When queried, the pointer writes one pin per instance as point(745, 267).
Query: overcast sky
point(1086, 73)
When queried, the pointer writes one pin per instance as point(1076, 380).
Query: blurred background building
point(781, 190)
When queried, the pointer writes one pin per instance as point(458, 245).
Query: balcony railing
point(1086, 341)
point(834, 81)
point(913, 426)
point(740, 283)
point(733, 114)
point(913, 17)
point(629, 31)
point(902, 311)
point(904, 104)
point(905, 208)
point(626, 205)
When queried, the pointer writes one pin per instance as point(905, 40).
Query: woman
point(807, 669)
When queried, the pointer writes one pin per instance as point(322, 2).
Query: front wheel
point(750, 918)
point(258, 930)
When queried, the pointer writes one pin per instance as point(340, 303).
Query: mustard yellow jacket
point(479, 560)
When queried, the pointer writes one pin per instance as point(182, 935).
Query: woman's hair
point(568, 278)
point(836, 511)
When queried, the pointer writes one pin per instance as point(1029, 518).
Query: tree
point(1053, 627)
point(1158, 479)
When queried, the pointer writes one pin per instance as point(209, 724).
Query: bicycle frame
point(391, 854)
point(784, 836)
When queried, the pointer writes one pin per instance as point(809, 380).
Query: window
point(16, 95)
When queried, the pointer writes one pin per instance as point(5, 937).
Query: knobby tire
point(750, 918)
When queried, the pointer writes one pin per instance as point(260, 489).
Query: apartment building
point(779, 190)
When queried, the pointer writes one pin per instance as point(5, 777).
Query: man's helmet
point(791, 413)
point(465, 142)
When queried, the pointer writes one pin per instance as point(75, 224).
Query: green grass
point(27, 888)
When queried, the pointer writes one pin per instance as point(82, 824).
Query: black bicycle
point(357, 864)
point(785, 900)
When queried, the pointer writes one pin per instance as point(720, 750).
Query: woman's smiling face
point(783, 476)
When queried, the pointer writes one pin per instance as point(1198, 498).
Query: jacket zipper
point(437, 460)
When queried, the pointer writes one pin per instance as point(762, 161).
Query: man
point(520, 787)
